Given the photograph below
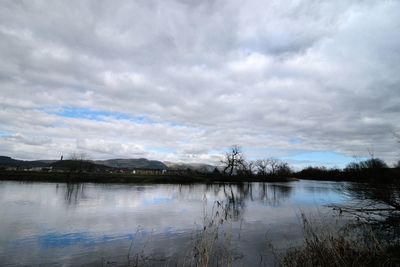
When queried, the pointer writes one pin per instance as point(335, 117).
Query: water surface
point(50, 224)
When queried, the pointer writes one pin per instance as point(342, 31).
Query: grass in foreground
point(350, 247)
point(322, 246)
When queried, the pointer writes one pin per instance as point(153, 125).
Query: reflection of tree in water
point(377, 205)
point(74, 193)
point(273, 194)
point(324, 189)
point(237, 195)
point(236, 202)
point(234, 196)
point(374, 202)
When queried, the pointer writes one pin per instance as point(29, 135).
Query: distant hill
point(47, 161)
point(192, 166)
point(132, 163)
point(99, 165)
point(79, 165)
point(10, 162)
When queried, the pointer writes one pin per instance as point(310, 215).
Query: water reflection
point(74, 193)
point(337, 188)
point(280, 192)
point(234, 196)
point(84, 222)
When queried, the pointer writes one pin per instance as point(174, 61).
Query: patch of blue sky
point(294, 141)
point(101, 115)
point(97, 115)
point(82, 113)
point(319, 158)
point(5, 133)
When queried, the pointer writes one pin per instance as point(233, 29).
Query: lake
point(51, 224)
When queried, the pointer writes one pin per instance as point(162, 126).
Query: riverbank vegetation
point(356, 241)
point(82, 177)
point(234, 167)
point(372, 238)
point(355, 245)
point(370, 170)
point(323, 245)
point(366, 233)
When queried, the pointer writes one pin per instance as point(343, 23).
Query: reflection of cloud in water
point(61, 240)
point(79, 219)
point(320, 193)
point(135, 197)
point(157, 201)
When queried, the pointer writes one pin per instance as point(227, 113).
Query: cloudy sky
point(311, 82)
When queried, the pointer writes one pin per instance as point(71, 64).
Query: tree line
point(234, 163)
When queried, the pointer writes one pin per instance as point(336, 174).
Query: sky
point(313, 82)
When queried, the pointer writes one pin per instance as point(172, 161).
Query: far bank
point(87, 177)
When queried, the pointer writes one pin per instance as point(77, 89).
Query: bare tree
point(262, 167)
point(397, 164)
point(233, 161)
point(273, 165)
point(283, 169)
point(247, 168)
point(251, 165)
point(78, 156)
point(77, 162)
point(268, 166)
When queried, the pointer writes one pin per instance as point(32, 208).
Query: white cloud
point(203, 75)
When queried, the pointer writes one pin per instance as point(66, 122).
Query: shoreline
point(67, 177)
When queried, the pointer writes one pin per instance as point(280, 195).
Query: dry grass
point(212, 244)
point(323, 245)
point(349, 247)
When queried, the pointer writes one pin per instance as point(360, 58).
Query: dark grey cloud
point(203, 74)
